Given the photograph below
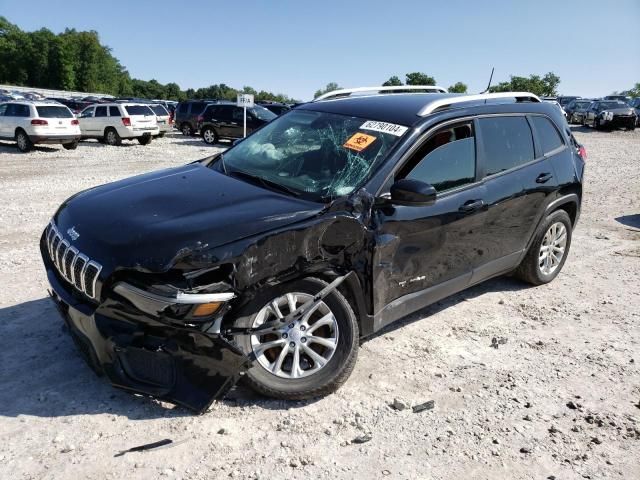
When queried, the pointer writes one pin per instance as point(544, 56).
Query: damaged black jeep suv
point(272, 260)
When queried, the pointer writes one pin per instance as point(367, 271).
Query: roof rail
point(445, 102)
point(402, 88)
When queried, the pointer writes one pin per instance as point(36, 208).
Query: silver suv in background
point(163, 118)
point(114, 122)
point(36, 122)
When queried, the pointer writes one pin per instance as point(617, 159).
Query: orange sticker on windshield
point(359, 141)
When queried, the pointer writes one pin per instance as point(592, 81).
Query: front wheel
point(548, 251)
point(306, 358)
point(209, 136)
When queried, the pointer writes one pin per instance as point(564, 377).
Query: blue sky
point(295, 47)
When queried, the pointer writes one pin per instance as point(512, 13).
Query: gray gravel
point(499, 412)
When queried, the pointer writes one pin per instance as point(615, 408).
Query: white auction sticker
point(384, 127)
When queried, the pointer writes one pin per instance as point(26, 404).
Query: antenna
point(490, 78)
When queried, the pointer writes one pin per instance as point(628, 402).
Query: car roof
point(405, 108)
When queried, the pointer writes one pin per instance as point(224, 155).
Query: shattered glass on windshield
point(320, 155)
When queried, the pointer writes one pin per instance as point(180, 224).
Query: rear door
point(142, 118)
point(3, 122)
point(518, 179)
point(225, 121)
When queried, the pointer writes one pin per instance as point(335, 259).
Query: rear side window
point(101, 112)
point(507, 143)
point(138, 110)
point(114, 111)
point(547, 134)
point(197, 108)
point(159, 110)
point(224, 112)
point(17, 110)
point(446, 160)
point(183, 108)
point(54, 112)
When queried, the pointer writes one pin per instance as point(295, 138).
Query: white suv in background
point(32, 122)
point(113, 122)
point(163, 117)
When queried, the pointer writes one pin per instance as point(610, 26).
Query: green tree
point(458, 87)
point(329, 88)
point(633, 91)
point(393, 81)
point(418, 78)
point(543, 86)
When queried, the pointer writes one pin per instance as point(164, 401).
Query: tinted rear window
point(197, 108)
point(547, 134)
point(507, 143)
point(54, 112)
point(138, 110)
point(159, 110)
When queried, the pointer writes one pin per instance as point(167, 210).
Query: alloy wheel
point(552, 248)
point(209, 136)
point(300, 348)
point(21, 141)
point(111, 137)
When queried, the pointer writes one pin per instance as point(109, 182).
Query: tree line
point(77, 61)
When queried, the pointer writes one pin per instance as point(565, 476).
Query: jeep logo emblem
point(73, 234)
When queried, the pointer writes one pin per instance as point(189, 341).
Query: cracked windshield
point(313, 154)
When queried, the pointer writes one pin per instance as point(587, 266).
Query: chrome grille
point(76, 268)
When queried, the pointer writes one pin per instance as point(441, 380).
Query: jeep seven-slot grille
point(76, 268)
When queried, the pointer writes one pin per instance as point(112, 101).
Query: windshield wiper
point(265, 182)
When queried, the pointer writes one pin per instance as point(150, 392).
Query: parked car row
point(29, 122)
point(603, 113)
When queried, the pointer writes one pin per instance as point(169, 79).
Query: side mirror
point(412, 193)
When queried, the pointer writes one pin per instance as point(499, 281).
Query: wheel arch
point(568, 202)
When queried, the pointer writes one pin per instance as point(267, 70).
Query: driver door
point(424, 253)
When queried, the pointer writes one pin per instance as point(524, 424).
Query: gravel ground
point(559, 397)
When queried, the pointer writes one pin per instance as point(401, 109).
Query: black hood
point(149, 220)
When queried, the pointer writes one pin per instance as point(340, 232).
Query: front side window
point(87, 112)
point(446, 160)
point(224, 112)
point(315, 155)
point(547, 134)
point(3, 109)
point(507, 141)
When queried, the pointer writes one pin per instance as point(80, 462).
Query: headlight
point(178, 305)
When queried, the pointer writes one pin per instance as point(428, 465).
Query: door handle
point(544, 177)
point(471, 206)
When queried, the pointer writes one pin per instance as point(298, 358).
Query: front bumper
point(144, 355)
point(620, 121)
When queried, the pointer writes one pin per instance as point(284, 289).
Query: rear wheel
point(548, 251)
point(186, 129)
point(209, 136)
point(161, 135)
point(596, 123)
point(146, 140)
point(70, 146)
point(23, 142)
point(111, 137)
point(306, 358)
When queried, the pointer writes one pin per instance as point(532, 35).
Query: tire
point(161, 135)
point(186, 130)
point(23, 142)
point(111, 137)
point(146, 140)
point(209, 136)
point(319, 378)
point(530, 269)
point(596, 123)
point(70, 146)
